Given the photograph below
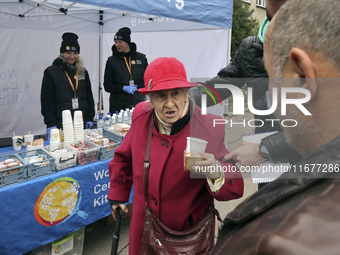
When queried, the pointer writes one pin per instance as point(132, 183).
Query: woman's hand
point(114, 210)
point(208, 167)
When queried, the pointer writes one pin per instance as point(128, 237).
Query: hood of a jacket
point(59, 62)
point(133, 49)
point(263, 29)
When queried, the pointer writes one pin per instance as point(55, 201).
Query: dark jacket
point(279, 150)
point(56, 94)
point(116, 76)
point(299, 213)
point(246, 68)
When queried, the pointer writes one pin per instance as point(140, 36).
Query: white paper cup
point(54, 146)
point(78, 117)
point(193, 152)
point(66, 117)
point(196, 145)
point(55, 135)
point(16, 145)
point(28, 139)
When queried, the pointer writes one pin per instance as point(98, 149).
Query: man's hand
point(247, 154)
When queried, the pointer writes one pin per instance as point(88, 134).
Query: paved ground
point(98, 236)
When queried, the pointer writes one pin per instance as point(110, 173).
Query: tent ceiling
point(214, 12)
point(50, 15)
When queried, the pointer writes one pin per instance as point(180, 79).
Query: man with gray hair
point(299, 213)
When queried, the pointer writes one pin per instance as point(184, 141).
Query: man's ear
point(302, 65)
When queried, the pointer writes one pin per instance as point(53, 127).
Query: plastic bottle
point(114, 119)
point(100, 124)
point(107, 122)
point(131, 111)
point(126, 119)
point(119, 118)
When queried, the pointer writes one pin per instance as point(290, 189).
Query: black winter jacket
point(247, 67)
point(56, 94)
point(116, 76)
point(299, 213)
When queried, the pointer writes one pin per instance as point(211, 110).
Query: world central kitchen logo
point(238, 104)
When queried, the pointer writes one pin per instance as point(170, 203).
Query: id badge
point(75, 104)
point(131, 82)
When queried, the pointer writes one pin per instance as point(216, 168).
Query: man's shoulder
point(298, 212)
point(251, 41)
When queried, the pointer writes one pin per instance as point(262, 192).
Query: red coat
point(173, 195)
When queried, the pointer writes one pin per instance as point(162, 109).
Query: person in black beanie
point(124, 72)
point(66, 85)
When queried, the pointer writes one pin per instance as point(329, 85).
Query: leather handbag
point(159, 239)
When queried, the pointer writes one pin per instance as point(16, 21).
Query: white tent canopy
point(31, 33)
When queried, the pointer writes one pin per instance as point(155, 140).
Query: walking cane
point(116, 229)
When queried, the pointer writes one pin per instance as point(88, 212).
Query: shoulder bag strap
point(147, 168)
point(147, 162)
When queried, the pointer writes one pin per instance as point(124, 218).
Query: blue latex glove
point(48, 132)
point(130, 89)
point(89, 124)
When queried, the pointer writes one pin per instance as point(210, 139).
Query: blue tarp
point(31, 211)
point(213, 12)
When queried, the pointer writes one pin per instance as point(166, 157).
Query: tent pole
point(100, 90)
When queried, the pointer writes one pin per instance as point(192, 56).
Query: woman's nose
point(169, 103)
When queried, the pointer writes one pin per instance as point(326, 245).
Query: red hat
point(165, 73)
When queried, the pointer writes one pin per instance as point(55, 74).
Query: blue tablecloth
point(23, 225)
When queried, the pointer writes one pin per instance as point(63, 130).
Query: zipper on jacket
point(159, 243)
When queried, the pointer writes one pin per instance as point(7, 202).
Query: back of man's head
point(313, 26)
point(272, 7)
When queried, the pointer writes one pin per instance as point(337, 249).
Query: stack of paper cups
point(78, 126)
point(54, 139)
point(68, 127)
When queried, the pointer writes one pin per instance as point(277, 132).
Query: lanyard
point(128, 66)
point(71, 83)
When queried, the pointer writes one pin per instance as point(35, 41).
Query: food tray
point(41, 168)
point(63, 160)
point(12, 175)
point(107, 151)
point(88, 156)
point(112, 135)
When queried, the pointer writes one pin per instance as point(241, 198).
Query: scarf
point(263, 29)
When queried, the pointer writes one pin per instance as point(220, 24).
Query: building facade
point(260, 8)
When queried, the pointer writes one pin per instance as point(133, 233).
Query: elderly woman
point(177, 199)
